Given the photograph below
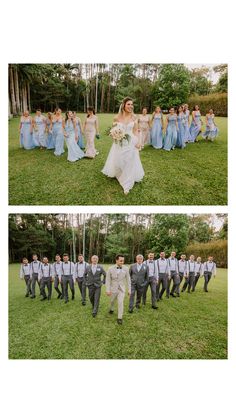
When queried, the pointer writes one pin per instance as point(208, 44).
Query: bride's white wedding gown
point(123, 162)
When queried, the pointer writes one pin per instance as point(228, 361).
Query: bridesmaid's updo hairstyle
point(90, 109)
point(56, 110)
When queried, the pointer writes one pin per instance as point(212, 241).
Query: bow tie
point(45, 264)
point(118, 267)
point(150, 261)
point(162, 259)
point(80, 263)
point(35, 262)
point(66, 262)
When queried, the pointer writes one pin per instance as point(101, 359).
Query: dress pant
point(175, 278)
point(56, 286)
point(35, 278)
point(189, 281)
point(119, 295)
point(68, 280)
point(207, 277)
point(153, 285)
point(94, 296)
point(177, 288)
point(163, 277)
point(28, 284)
point(197, 276)
point(138, 290)
point(82, 287)
point(46, 282)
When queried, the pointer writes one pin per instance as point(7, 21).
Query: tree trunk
point(12, 91)
point(17, 90)
point(28, 92)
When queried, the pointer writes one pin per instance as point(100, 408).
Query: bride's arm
point(115, 121)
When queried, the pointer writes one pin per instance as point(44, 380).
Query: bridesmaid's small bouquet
point(119, 136)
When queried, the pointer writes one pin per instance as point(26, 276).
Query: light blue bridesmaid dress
point(58, 137)
point(156, 139)
point(195, 127)
point(211, 130)
point(171, 133)
point(180, 134)
point(80, 137)
point(50, 142)
point(39, 134)
point(186, 126)
point(26, 137)
point(74, 151)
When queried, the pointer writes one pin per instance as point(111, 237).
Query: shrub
point(217, 101)
point(217, 249)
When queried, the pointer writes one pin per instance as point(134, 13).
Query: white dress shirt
point(34, 267)
point(191, 266)
point(210, 267)
point(173, 263)
point(68, 268)
point(80, 268)
point(198, 268)
point(94, 268)
point(183, 266)
point(152, 268)
point(46, 270)
point(139, 266)
point(163, 266)
point(57, 268)
point(24, 270)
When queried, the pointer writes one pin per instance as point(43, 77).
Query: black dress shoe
point(172, 295)
point(177, 295)
point(73, 297)
point(138, 306)
point(83, 303)
point(44, 298)
point(32, 296)
point(155, 307)
point(66, 301)
point(119, 321)
point(94, 314)
point(111, 312)
point(130, 310)
point(59, 296)
point(26, 295)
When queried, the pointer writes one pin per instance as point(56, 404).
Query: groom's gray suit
point(139, 280)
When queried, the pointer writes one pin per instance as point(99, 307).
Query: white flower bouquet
point(119, 136)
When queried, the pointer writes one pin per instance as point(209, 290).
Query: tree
point(172, 87)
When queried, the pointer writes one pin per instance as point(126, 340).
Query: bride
point(123, 161)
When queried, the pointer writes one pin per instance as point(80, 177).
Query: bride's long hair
point(122, 105)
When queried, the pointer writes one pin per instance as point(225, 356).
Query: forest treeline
point(103, 86)
point(109, 234)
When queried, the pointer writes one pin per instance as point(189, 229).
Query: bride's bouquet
point(119, 136)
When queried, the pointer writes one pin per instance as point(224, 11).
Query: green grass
point(191, 327)
point(196, 175)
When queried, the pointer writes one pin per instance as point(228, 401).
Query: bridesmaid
point(144, 128)
point(50, 142)
point(212, 130)
point(79, 130)
point(26, 130)
point(196, 124)
point(39, 129)
point(58, 126)
point(71, 135)
point(171, 130)
point(90, 131)
point(181, 129)
point(157, 128)
point(186, 123)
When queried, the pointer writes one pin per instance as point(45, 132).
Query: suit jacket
point(140, 278)
point(94, 279)
point(118, 279)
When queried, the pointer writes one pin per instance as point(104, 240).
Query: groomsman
point(116, 280)
point(57, 275)
point(80, 267)
point(152, 279)
point(209, 269)
point(174, 275)
point(190, 278)
point(139, 279)
point(163, 275)
point(182, 267)
point(45, 278)
point(34, 273)
point(198, 272)
point(67, 277)
point(25, 274)
point(93, 276)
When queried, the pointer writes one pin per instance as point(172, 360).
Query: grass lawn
point(196, 175)
point(191, 327)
